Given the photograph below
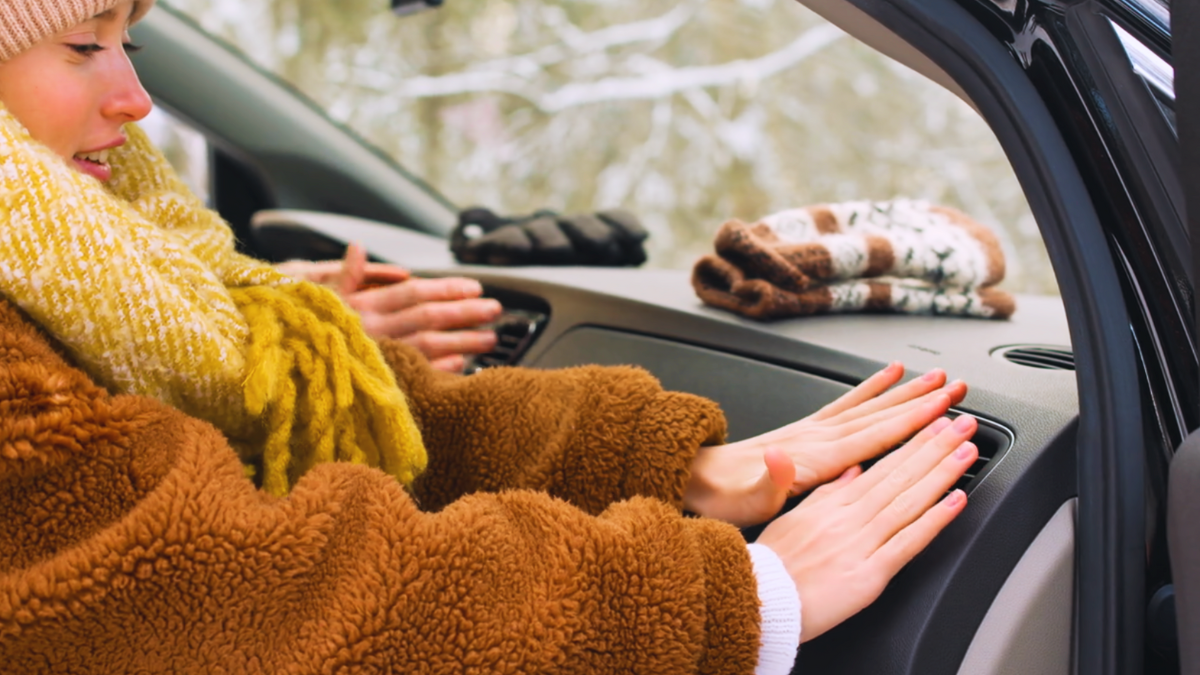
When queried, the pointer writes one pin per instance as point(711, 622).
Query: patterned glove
point(611, 238)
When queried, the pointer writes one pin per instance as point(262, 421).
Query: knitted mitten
point(608, 238)
point(923, 259)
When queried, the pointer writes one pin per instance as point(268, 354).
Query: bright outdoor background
point(686, 112)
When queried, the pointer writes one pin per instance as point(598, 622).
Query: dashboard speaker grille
point(1046, 358)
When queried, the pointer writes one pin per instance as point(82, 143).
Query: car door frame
point(1003, 56)
point(1183, 499)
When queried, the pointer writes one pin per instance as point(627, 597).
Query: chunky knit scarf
point(143, 286)
point(897, 256)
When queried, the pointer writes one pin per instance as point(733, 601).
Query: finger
point(915, 388)
point(770, 491)
point(885, 482)
point(865, 391)
point(884, 435)
point(415, 292)
point(435, 345)
point(901, 455)
point(918, 412)
point(781, 472)
point(353, 269)
point(908, 542)
point(908, 506)
point(437, 316)
point(383, 274)
point(450, 364)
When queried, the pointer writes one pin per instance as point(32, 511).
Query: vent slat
point(991, 442)
point(515, 332)
point(1045, 358)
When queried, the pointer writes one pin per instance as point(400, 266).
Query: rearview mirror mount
point(406, 7)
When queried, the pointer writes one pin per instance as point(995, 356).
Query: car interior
point(995, 593)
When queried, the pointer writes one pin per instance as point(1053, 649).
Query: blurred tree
point(687, 112)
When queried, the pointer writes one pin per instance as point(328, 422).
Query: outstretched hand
point(747, 482)
point(440, 317)
point(844, 543)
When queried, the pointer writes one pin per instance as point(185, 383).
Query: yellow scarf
point(143, 285)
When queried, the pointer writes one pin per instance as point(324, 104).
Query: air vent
point(1039, 356)
point(991, 439)
point(516, 330)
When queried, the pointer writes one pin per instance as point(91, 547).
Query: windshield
point(687, 113)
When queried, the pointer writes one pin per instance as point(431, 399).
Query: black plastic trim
point(1110, 443)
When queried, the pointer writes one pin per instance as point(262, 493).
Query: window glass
point(686, 112)
point(1148, 65)
point(185, 147)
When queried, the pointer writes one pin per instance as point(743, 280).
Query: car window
point(685, 112)
point(1158, 75)
point(185, 147)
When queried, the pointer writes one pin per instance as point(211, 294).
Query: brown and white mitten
point(904, 256)
point(722, 284)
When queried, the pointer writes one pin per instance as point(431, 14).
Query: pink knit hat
point(24, 23)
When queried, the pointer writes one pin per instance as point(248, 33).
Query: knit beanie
point(24, 23)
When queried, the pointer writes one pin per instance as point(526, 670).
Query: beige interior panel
point(1027, 631)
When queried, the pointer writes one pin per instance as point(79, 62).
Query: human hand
point(844, 542)
point(747, 482)
point(433, 315)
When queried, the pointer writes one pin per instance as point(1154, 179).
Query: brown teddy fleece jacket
point(544, 537)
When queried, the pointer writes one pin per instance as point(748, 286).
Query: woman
point(208, 467)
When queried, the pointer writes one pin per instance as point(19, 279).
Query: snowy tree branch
point(658, 83)
point(508, 74)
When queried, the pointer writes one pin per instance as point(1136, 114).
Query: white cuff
point(780, 605)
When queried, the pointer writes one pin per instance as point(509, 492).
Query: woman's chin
point(101, 172)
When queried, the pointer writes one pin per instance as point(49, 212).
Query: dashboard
point(764, 375)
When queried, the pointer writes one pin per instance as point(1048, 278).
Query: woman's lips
point(101, 172)
point(95, 162)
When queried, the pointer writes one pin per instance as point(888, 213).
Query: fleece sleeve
point(591, 435)
point(133, 542)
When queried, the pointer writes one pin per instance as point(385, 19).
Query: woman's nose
point(127, 100)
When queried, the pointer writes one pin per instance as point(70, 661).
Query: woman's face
point(75, 90)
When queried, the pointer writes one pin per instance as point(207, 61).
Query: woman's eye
point(87, 49)
point(131, 48)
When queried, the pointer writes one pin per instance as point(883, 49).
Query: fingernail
point(470, 287)
point(932, 375)
point(957, 497)
point(893, 367)
point(964, 423)
point(964, 451)
point(939, 424)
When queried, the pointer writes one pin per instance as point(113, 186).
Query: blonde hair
point(24, 23)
